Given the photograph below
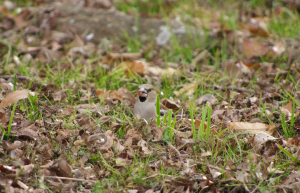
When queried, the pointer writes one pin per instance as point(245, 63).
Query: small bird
point(145, 105)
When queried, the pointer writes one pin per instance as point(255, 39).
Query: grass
point(224, 146)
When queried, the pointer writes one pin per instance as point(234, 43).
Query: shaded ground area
point(227, 70)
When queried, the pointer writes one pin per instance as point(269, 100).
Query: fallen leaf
point(188, 88)
point(13, 97)
point(253, 48)
point(260, 139)
point(62, 168)
point(170, 104)
point(132, 68)
point(145, 152)
point(158, 133)
point(206, 98)
point(251, 127)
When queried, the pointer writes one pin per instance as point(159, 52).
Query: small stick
point(18, 77)
point(176, 151)
point(66, 178)
point(229, 88)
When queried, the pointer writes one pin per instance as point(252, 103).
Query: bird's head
point(146, 92)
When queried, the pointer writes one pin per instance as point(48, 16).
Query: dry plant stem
point(18, 77)
point(73, 179)
point(246, 188)
point(215, 167)
point(176, 151)
point(153, 176)
point(289, 62)
point(256, 186)
point(228, 88)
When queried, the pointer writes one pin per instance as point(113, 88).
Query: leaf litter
point(80, 134)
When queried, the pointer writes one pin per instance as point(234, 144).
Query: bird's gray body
point(146, 109)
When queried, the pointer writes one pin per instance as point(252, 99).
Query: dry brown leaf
point(278, 48)
point(251, 127)
point(21, 18)
point(170, 104)
point(128, 97)
point(13, 97)
point(289, 106)
point(61, 168)
point(132, 68)
point(253, 48)
point(122, 160)
point(158, 133)
point(28, 133)
point(260, 139)
point(134, 134)
point(188, 88)
point(123, 56)
point(255, 29)
point(206, 98)
point(145, 152)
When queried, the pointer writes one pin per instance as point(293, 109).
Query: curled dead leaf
point(170, 104)
point(158, 133)
point(188, 88)
point(260, 139)
point(253, 48)
point(14, 96)
point(207, 98)
point(145, 152)
point(61, 168)
point(252, 127)
point(133, 68)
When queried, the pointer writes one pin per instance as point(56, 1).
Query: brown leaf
point(207, 98)
point(128, 97)
point(62, 168)
point(2, 117)
point(13, 97)
point(123, 56)
point(133, 68)
point(170, 104)
point(122, 160)
point(255, 28)
point(158, 133)
point(188, 88)
point(134, 134)
point(253, 48)
point(28, 133)
point(20, 19)
point(145, 152)
point(252, 127)
point(260, 139)
point(289, 106)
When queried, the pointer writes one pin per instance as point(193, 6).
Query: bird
point(145, 105)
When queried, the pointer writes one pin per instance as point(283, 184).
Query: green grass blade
point(10, 120)
point(288, 154)
point(208, 122)
point(158, 111)
point(192, 118)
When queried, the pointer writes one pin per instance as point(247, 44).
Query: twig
point(215, 167)
point(18, 77)
point(153, 176)
point(66, 178)
point(289, 62)
point(256, 186)
point(228, 88)
point(176, 151)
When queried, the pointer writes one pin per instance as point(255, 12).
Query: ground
point(227, 78)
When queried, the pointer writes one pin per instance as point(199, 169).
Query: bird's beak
point(142, 92)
